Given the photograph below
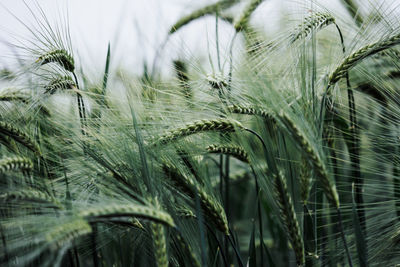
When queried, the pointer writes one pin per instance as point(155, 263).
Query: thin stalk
point(354, 149)
point(346, 248)
point(260, 222)
point(81, 107)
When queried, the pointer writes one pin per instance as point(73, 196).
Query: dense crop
point(287, 157)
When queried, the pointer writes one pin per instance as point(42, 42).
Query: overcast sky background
point(136, 28)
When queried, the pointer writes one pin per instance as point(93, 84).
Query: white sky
point(135, 28)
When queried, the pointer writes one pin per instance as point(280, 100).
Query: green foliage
point(289, 159)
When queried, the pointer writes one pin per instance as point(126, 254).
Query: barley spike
point(234, 151)
point(319, 167)
point(219, 125)
point(63, 234)
point(59, 56)
point(15, 163)
point(353, 59)
point(312, 23)
point(132, 210)
point(19, 136)
point(60, 83)
point(288, 217)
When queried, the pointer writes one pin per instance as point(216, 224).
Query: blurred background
point(137, 29)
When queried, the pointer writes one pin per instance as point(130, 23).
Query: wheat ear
point(19, 136)
point(160, 245)
point(60, 56)
point(31, 196)
point(235, 151)
point(65, 233)
point(288, 217)
point(238, 109)
point(222, 4)
point(353, 59)
point(8, 96)
point(312, 23)
point(188, 249)
point(218, 125)
point(212, 208)
point(243, 20)
point(319, 167)
point(60, 83)
point(15, 163)
point(130, 210)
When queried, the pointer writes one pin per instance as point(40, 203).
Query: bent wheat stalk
point(243, 20)
point(217, 125)
point(130, 210)
point(222, 4)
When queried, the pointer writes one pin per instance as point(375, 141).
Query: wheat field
point(275, 148)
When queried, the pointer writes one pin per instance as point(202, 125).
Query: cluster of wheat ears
point(289, 158)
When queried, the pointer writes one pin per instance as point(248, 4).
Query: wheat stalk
point(15, 163)
point(131, 210)
point(60, 56)
point(218, 125)
point(235, 151)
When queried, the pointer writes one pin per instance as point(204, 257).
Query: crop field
point(275, 144)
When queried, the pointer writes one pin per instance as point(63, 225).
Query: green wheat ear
point(128, 210)
point(19, 136)
point(315, 159)
point(356, 57)
point(312, 23)
point(243, 20)
point(210, 9)
point(235, 151)
point(60, 56)
point(216, 125)
point(60, 83)
point(288, 216)
point(65, 233)
point(15, 163)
